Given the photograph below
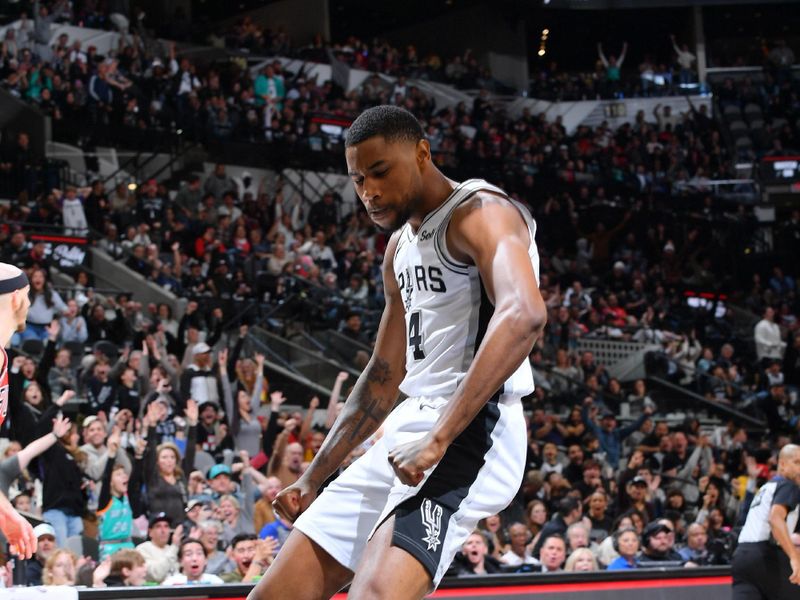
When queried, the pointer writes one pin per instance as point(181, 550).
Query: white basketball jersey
point(447, 309)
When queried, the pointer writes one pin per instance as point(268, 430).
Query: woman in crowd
point(245, 426)
point(210, 532)
point(626, 543)
point(495, 534)
point(536, 515)
point(65, 483)
point(581, 560)
point(234, 520)
point(574, 427)
point(602, 523)
point(61, 568)
point(163, 470)
point(46, 305)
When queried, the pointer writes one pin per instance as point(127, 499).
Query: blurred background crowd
point(184, 403)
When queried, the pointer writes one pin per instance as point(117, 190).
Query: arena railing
point(702, 583)
point(696, 401)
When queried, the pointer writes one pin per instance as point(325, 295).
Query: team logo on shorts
point(432, 520)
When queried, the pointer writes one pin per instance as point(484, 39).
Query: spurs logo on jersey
point(432, 521)
point(447, 309)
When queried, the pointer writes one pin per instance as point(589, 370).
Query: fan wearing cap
point(610, 436)
point(45, 537)
point(636, 496)
point(14, 305)
point(658, 540)
point(200, 380)
point(197, 511)
point(160, 552)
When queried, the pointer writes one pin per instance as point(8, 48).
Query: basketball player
point(463, 311)
point(766, 564)
point(14, 305)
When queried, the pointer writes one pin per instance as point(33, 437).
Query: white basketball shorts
point(478, 476)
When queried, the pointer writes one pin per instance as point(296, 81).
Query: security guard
point(766, 565)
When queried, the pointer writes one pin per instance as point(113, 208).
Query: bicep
point(494, 235)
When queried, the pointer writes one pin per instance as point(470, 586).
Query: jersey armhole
point(440, 239)
point(440, 245)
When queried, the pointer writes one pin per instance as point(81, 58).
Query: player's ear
point(423, 152)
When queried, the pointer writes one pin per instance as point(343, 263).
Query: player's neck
point(437, 189)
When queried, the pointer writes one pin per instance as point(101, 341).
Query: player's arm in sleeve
point(372, 399)
point(491, 233)
point(786, 498)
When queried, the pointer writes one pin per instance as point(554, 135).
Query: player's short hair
point(391, 122)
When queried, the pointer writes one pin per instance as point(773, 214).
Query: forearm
point(372, 399)
point(276, 455)
point(508, 342)
point(305, 427)
point(6, 509)
point(34, 449)
point(255, 398)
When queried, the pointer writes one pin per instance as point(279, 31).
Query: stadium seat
point(737, 126)
point(732, 112)
point(778, 123)
point(752, 111)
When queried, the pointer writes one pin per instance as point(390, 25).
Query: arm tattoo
point(374, 411)
point(379, 372)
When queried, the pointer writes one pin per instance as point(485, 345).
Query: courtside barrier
point(705, 583)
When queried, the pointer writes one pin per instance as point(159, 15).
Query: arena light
point(541, 52)
point(132, 186)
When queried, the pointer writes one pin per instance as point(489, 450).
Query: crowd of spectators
point(177, 443)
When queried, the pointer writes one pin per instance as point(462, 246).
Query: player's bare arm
point(489, 232)
point(372, 399)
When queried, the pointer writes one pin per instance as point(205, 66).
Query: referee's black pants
point(761, 571)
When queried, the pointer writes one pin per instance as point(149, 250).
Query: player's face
point(387, 178)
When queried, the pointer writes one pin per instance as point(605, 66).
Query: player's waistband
point(440, 401)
